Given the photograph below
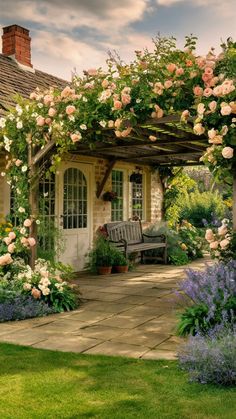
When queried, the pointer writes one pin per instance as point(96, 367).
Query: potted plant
point(120, 262)
point(110, 196)
point(100, 257)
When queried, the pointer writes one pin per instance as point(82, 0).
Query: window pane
point(137, 201)
point(118, 187)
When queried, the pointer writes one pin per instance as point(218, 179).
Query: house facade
point(71, 197)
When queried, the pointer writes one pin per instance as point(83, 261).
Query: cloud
point(224, 8)
point(104, 16)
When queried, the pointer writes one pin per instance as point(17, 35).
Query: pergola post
point(234, 199)
point(33, 203)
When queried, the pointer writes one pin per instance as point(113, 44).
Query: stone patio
point(131, 314)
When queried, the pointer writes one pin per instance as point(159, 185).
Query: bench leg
point(165, 255)
point(142, 258)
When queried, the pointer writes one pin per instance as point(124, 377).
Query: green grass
point(46, 384)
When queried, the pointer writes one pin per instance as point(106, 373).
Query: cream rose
point(228, 152)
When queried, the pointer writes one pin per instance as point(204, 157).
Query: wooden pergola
point(175, 145)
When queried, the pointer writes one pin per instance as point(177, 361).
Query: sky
point(74, 35)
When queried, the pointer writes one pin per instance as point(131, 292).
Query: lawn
point(46, 384)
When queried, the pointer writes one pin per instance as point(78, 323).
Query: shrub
point(191, 240)
point(20, 307)
point(177, 256)
point(101, 254)
point(214, 289)
point(211, 358)
point(202, 208)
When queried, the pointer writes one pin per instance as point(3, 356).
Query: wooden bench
point(129, 238)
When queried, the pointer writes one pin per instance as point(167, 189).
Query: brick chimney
point(16, 44)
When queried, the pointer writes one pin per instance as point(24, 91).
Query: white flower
point(37, 222)
point(2, 122)
point(19, 110)
point(27, 286)
point(23, 229)
point(103, 123)
point(138, 100)
point(84, 99)
point(83, 127)
point(19, 125)
point(24, 168)
point(3, 174)
point(40, 105)
point(45, 290)
point(71, 118)
point(21, 209)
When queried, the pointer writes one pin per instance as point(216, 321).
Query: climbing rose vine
point(104, 104)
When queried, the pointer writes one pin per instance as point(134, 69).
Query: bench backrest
point(131, 231)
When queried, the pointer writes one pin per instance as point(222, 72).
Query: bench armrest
point(162, 236)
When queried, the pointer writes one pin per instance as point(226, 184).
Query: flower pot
point(104, 270)
point(122, 268)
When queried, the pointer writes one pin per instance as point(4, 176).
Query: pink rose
point(222, 230)
point(117, 104)
point(126, 99)
point(224, 243)
point(208, 71)
point(70, 109)
point(67, 91)
point(31, 241)
point(185, 115)
point(36, 293)
point(225, 110)
point(47, 99)
point(52, 112)
point(48, 121)
point(212, 133)
point(214, 245)
point(40, 121)
point(207, 92)
point(168, 84)
point(76, 137)
point(12, 235)
point(92, 72)
point(218, 139)
point(5, 259)
point(179, 71)
point(217, 91)
point(206, 77)
point(201, 108)
point(7, 240)
point(171, 67)
point(105, 83)
point(228, 152)
point(212, 106)
point(110, 124)
point(209, 236)
point(18, 162)
point(11, 247)
point(198, 129)
point(198, 91)
point(27, 223)
point(152, 138)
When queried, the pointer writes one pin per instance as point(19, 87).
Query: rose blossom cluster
point(41, 282)
point(219, 240)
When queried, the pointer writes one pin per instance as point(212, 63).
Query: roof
point(14, 80)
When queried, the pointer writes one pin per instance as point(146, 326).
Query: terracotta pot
point(104, 270)
point(122, 269)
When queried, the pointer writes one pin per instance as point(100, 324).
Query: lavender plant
point(211, 358)
point(22, 307)
point(212, 295)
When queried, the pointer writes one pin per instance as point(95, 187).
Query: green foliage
point(119, 258)
point(193, 320)
point(177, 256)
point(101, 254)
point(178, 185)
point(197, 207)
point(190, 238)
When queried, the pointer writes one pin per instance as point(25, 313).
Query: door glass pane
point(137, 201)
point(117, 207)
point(75, 199)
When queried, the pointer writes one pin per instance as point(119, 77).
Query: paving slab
point(118, 349)
point(131, 314)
